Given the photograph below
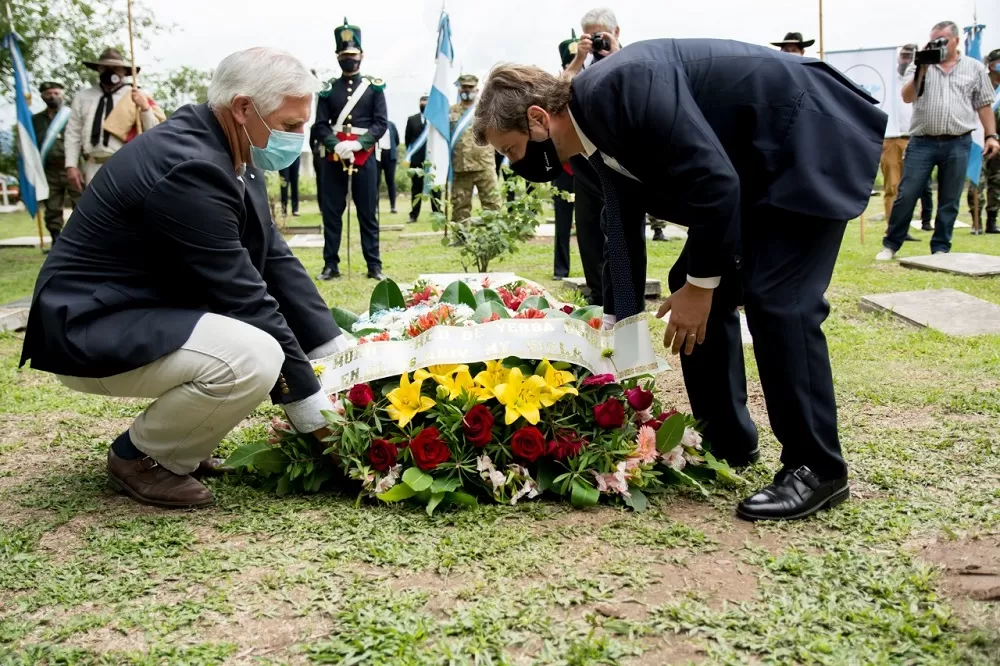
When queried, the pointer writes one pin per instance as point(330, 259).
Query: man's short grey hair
point(601, 16)
point(265, 75)
point(947, 24)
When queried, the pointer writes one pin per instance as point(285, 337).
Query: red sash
point(360, 156)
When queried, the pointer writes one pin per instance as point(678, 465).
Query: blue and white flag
point(30, 172)
point(438, 125)
point(56, 127)
point(973, 49)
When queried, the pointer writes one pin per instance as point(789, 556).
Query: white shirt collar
point(588, 147)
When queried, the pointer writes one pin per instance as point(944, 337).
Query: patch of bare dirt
point(106, 639)
point(671, 649)
point(970, 567)
point(263, 636)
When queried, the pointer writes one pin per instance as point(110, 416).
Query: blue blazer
point(707, 127)
point(165, 233)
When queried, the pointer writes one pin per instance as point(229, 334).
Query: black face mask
point(422, 107)
point(540, 163)
point(53, 103)
point(110, 78)
point(349, 65)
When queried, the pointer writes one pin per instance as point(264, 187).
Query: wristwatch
point(995, 137)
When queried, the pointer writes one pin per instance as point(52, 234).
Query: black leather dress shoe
point(911, 237)
point(328, 274)
point(794, 494)
point(376, 275)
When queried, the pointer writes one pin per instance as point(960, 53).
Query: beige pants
point(92, 166)
point(202, 390)
point(892, 171)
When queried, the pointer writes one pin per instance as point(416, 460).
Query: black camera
point(934, 53)
point(600, 42)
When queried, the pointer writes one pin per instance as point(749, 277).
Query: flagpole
point(135, 76)
point(820, 29)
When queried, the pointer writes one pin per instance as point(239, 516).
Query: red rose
point(666, 415)
point(528, 443)
point(639, 399)
point(599, 380)
point(565, 444)
point(478, 426)
point(361, 395)
point(428, 449)
point(652, 423)
point(568, 309)
point(609, 414)
point(382, 454)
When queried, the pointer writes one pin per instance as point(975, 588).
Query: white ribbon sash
point(555, 339)
point(352, 101)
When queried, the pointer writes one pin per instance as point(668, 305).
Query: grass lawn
point(89, 577)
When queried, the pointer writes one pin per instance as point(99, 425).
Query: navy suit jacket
point(165, 233)
point(369, 113)
point(708, 127)
point(392, 154)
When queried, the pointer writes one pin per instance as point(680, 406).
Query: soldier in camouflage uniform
point(61, 193)
point(472, 165)
point(989, 179)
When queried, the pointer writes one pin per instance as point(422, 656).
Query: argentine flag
point(30, 171)
point(436, 113)
point(973, 39)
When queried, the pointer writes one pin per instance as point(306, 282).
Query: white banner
point(555, 339)
point(875, 71)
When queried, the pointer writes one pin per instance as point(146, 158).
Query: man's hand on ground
point(75, 178)
point(688, 307)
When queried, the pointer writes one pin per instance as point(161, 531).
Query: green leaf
point(584, 495)
point(488, 295)
point(446, 485)
point(537, 302)
point(284, 485)
point(244, 456)
point(459, 293)
point(688, 480)
point(637, 500)
point(417, 479)
point(670, 433)
point(587, 313)
point(385, 296)
point(272, 461)
point(489, 308)
point(397, 493)
point(344, 318)
point(433, 502)
point(722, 469)
point(555, 313)
point(546, 476)
point(465, 499)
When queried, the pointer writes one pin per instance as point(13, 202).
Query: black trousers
point(290, 179)
point(317, 167)
point(590, 238)
point(564, 224)
point(416, 189)
point(788, 261)
point(387, 169)
point(365, 195)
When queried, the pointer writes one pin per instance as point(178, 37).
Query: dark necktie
point(622, 287)
point(103, 111)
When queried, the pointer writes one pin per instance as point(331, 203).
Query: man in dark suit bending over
point(764, 157)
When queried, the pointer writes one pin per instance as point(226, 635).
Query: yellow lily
point(494, 374)
point(406, 401)
point(439, 373)
point(521, 396)
point(555, 383)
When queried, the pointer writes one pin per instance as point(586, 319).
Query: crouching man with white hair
point(171, 282)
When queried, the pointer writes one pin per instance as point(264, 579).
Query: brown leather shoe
point(212, 467)
point(148, 482)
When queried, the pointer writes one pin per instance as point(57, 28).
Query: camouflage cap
point(467, 80)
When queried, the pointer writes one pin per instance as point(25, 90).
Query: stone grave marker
point(653, 289)
point(970, 264)
point(947, 310)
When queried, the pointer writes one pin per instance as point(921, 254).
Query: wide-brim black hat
point(795, 38)
point(110, 58)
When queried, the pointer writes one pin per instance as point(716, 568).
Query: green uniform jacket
point(467, 156)
point(56, 159)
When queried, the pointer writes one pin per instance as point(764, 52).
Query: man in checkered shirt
point(944, 116)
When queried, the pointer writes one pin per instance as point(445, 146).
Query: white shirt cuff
point(705, 283)
point(609, 321)
point(329, 348)
point(305, 414)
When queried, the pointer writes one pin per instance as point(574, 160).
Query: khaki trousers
point(202, 390)
point(892, 171)
point(485, 182)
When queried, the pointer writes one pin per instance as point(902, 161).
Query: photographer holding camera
point(948, 90)
point(600, 39)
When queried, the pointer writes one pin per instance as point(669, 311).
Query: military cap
point(795, 38)
point(993, 56)
point(567, 48)
point(348, 38)
point(50, 85)
point(425, 96)
point(467, 80)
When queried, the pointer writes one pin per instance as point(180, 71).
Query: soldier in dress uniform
point(350, 119)
point(49, 125)
point(471, 165)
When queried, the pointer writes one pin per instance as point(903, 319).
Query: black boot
point(991, 222)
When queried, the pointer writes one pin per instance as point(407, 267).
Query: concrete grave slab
point(18, 304)
point(24, 241)
point(947, 310)
point(916, 224)
point(13, 319)
point(671, 231)
point(306, 240)
point(653, 289)
point(392, 227)
point(970, 264)
point(421, 234)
